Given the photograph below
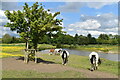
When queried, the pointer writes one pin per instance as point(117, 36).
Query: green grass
point(34, 74)
point(45, 46)
point(74, 61)
point(83, 62)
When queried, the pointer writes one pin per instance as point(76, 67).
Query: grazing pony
point(65, 55)
point(94, 60)
point(55, 51)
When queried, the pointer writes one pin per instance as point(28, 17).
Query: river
point(109, 56)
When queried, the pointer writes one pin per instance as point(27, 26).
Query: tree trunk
point(35, 45)
point(27, 44)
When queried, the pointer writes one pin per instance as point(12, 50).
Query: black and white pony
point(94, 60)
point(65, 56)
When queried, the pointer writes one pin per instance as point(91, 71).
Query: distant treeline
point(61, 38)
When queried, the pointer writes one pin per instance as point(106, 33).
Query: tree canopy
point(33, 22)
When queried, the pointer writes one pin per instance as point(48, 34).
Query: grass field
point(34, 74)
point(83, 62)
point(75, 61)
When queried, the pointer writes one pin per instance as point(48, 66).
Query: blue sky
point(79, 17)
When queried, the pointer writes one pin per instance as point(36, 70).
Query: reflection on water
point(112, 57)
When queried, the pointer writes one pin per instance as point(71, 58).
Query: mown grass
point(74, 61)
point(35, 74)
point(83, 62)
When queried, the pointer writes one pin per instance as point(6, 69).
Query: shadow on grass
point(39, 60)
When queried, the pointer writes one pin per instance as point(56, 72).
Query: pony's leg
point(92, 67)
point(35, 57)
point(66, 60)
point(96, 66)
point(25, 57)
point(63, 61)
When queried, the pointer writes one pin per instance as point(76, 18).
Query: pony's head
point(93, 59)
point(99, 61)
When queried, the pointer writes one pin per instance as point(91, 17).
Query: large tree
point(33, 22)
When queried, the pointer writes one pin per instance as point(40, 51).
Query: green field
point(75, 61)
point(83, 62)
point(34, 74)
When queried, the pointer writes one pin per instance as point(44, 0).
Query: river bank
point(97, 48)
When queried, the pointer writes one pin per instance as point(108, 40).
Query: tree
point(89, 36)
point(103, 39)
point(76, 39)
point(6, 38)
point(32, 23)
point(83, 40)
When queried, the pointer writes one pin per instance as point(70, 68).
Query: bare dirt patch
point(49, 67)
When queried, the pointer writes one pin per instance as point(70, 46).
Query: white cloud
point(2, 15)
point(96, 32)
point(95, 25)
point(75, 6)
point(70, 29)
point(115, 29)
point(107, 20)
point(6, 30)
point(88, 24)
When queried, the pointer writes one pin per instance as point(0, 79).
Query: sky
point(78, 17)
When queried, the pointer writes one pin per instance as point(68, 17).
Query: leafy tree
point(103, 39)
point(89, 36)
point(83, 40)
point(76, 39)
point(93, 40)
point(104, 36)
point(32, 23)
point(6, 38)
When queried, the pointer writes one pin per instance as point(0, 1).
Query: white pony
point(65, 55)
point(94, 60)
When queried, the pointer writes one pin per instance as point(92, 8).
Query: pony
point(64, 55)
point(55, 51)
point(94, 60)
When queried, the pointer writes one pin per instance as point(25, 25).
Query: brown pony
point(51, 51)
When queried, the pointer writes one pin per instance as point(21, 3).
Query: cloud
point(71, 7)
point(6, 30)
point(75, 6)
point(88, 24)
point(107, 20)
point(98, 5)
point(100, 24)
point(3, 19)
point(11, 6)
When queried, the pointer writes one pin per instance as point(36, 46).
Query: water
point(112, 57)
